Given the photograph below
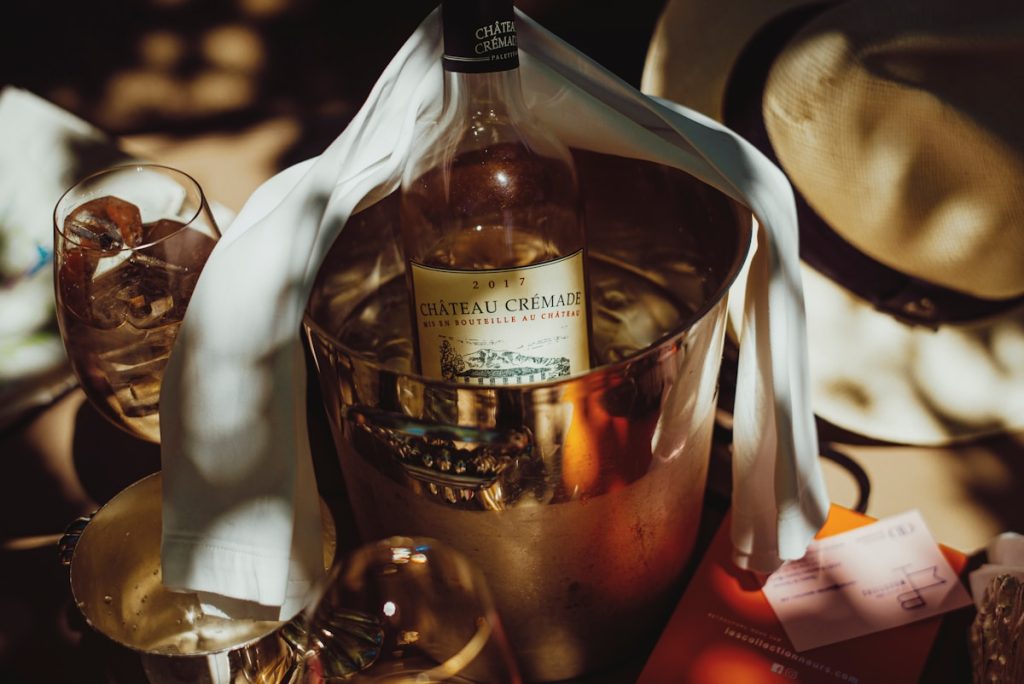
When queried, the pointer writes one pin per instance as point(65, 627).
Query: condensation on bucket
point(580, 499)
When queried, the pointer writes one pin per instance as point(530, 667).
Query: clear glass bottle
point(491, 221)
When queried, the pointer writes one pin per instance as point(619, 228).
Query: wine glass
point(129, 244)
point(403, 610)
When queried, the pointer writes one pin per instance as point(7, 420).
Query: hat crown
point(899, 124)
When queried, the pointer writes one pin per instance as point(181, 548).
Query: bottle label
point(479, 36)
point(503, 326)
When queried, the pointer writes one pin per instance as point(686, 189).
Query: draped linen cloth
point(240, 502)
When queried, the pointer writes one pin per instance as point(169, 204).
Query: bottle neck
point(489, 95)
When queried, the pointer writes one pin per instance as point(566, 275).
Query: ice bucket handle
point(454, 461)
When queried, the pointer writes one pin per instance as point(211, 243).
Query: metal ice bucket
point(580, 499)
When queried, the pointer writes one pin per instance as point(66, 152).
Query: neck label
point(479, 36)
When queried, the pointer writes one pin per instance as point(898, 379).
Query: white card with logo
point(876, 577)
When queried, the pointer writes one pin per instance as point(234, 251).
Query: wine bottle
point(491, 220)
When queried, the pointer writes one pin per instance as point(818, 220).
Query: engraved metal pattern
point(456, 464)
point(997, 654)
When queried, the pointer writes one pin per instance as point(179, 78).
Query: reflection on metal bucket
point(580, 498)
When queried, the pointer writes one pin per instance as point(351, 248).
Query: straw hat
point(899, 124)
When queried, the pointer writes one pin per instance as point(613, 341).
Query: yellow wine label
point(503, 326)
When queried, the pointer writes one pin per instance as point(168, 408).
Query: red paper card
point(724, 632)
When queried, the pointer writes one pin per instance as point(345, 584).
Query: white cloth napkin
point(238, 482)
point(43, 150)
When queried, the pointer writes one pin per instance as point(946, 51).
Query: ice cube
point(108, 304)
point(73, 279)
point(161, 228)
point(137, 388)
point(188, 248)
point(134, 370)
point(107, 223)
point(159, 292)
point(150, 312)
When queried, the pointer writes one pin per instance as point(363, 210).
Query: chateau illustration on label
point(495, 366)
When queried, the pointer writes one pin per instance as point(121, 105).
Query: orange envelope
point(724, 632)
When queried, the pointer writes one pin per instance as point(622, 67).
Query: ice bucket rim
point(744, 219)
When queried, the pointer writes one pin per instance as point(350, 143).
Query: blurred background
point(268, 82)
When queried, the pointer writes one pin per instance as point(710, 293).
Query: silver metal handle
point(455, 462)
point(69, 540)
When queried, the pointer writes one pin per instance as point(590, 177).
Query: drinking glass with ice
point(129, 244)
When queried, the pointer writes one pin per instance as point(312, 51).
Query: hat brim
point(877, 376)
point(871, 374)
point(695, 46)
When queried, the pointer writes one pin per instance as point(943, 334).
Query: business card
point(872, 578)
